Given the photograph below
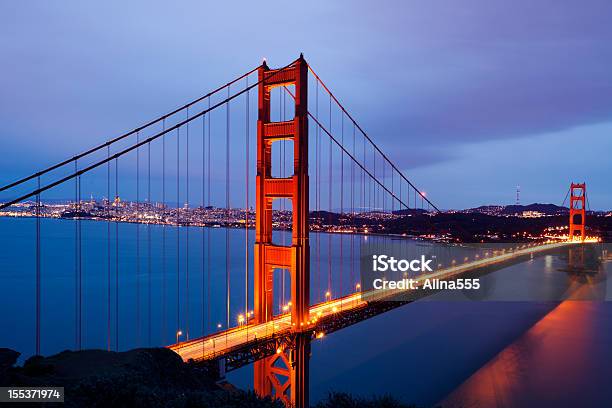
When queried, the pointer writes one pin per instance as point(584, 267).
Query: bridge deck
point(219, 344)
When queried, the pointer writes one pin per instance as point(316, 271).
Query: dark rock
point(8, 358)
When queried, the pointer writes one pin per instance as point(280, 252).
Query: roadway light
point(240, 319)
point(358, 286)
point(178, 334)
point(218, 325)
point(327, 294)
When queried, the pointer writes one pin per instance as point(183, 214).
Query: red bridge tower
point(577, 211)
point(285, 374)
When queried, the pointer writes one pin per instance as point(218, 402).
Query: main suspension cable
point(125, 135)
point(367, 137)
point(135, 146)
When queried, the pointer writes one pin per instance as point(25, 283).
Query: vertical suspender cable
point(108, 253)
point(341, 205)
point(138, 343)
point(372, 185)
point(187, 230)
point(400, 194)
point(76, 263)
point(393, 192)
point(208, 262)
point(77, 259)
point(178, 232)
point(38, 270)
point(408, 197)
point(329, 198)
point(117, 254)
point(246, 214)
point(80, 270)
point(353, 210)
point(318, 194)
point(363, 179)
point(227, 213)
point(384, 181)
point(149, 266)
point(202, 321)
point(163, 263)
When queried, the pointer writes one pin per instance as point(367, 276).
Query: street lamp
point(178, 334)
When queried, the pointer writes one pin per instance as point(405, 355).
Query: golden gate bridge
point(297, 121)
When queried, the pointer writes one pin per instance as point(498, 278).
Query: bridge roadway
point(226, 342)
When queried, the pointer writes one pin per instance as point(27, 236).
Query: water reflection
point(561, 361)
point(427, 350)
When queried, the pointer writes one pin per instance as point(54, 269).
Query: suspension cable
point(353, 158)
point(130, 133)
point(135, 146)
point(366, 136)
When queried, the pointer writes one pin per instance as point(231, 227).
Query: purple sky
point(481, 95)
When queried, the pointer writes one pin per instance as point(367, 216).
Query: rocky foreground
point(152, 377)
